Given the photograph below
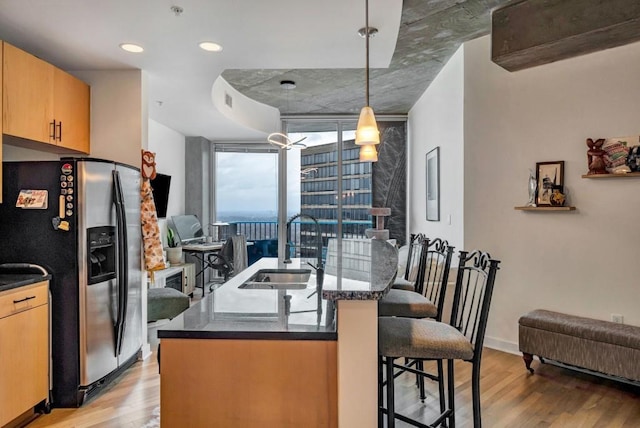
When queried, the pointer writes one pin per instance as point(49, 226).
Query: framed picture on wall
point(548, 176)
point(433, 184)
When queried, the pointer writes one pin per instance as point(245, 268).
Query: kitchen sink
point(276, 279)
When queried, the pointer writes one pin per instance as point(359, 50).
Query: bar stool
point(427, 301)
point(432, 276)
point(408, 279)
point(423, 339)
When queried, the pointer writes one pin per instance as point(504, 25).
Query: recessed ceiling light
point(210, 46)
point(130, 47)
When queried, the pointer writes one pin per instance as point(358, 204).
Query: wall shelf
point(627, 175)
point(545, 208)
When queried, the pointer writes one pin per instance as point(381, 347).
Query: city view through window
point(247, 190)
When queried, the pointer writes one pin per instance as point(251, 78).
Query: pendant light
point(278, 139)
point(368, 153)
point(367, 134)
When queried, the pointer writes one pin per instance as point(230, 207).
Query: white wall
point(168, 145)
point(118, 114)
point(437, 120)
point(16, 153)
point(581, 262)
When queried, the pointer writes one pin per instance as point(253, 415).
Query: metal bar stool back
point(461, 339)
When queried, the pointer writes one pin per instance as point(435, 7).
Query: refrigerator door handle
point(123, 268)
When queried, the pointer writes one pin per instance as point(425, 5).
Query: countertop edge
point(247, 335)
point(24, 282)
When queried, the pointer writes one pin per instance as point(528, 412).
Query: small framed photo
point(433, 184)
point(548, 176)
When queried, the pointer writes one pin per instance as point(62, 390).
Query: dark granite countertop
point(365, 271)
point(14, 280)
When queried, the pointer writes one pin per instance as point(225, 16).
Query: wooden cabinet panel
point(248, 383)
point(1, 117)
point(71, 111)
point(27, 96)
point(24, 361)
point(23, 298)
point(43, 103)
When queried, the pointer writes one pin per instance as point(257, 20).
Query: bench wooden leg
point(528, 358)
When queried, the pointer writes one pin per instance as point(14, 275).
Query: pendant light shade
point(368, 153)
point(367, 130)
point(367, 134)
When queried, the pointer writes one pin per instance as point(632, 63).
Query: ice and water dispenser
point(101, 245)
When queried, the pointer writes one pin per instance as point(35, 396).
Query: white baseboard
point(145, 351)
point(501, 345)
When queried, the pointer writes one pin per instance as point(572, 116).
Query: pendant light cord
point(366, 30)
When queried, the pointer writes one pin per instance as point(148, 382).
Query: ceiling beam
point(529, 33)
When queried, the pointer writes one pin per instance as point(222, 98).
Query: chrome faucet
point(287, 259)
point(319, 267)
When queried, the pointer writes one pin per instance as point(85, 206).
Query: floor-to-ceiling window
point(246, 194)
point(325, 180)
point(246, 187)
point(328, 183)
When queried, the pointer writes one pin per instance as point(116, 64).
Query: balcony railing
point(259, 230)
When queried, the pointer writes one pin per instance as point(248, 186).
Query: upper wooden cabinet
point(71, 111)
point(43, 103)
point(28, 96)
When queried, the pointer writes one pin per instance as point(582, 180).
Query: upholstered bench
point(163, 303)
point(593, 346)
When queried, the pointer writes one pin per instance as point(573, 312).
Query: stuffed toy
point(152, 244)
point(148, 164)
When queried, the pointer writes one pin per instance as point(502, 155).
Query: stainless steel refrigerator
point(86, 232)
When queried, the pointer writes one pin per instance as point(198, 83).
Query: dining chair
point(429, 340)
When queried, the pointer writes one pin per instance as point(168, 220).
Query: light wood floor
point(553, 397)
point(511, 397)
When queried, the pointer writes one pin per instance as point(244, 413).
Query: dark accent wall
point(390, 177)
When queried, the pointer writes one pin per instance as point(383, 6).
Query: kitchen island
point(268, 357)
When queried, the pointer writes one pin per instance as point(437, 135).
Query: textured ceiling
point(430, 32)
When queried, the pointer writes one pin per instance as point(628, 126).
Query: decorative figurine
point(633, 160)
point(379, 232)
point(595, 162)
point(533, 185)
point(557, 198)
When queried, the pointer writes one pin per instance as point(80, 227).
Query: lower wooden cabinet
point(236, 383)
point(24, 350)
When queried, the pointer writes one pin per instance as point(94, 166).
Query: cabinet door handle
point(24, 300)
point(52, 130)
point(60, 131)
